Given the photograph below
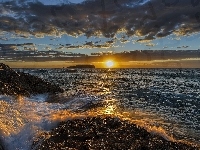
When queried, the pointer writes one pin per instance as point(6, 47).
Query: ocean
point(163, 101)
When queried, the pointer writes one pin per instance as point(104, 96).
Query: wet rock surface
point(104, 133)
point(19, 83)
point(1, 147)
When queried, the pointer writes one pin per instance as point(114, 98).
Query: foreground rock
point(104, 133)
point(19, 83)
point(1, 147)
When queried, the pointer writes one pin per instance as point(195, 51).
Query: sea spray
point(22, 119)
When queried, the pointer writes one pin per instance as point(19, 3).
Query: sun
point(109, 63)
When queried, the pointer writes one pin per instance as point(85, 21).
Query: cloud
point(143, 18)
point(98, 44)
point(185, 46)
point(147, 39)
point(150, 44)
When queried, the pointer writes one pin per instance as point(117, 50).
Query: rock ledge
point(19, 83)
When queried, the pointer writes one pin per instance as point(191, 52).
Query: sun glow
point(109, 63)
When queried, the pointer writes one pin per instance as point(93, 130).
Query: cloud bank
point(147, 19)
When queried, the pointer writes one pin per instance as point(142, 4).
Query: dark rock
point(19, 83)
point(82, 66)
point(104, 133)
point(1, 147)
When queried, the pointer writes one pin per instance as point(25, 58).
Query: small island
point(82, 66)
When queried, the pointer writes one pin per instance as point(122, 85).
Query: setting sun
point(109, 63)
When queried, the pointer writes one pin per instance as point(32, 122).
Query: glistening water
point(164, 101)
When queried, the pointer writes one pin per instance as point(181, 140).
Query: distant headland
point(82, 66)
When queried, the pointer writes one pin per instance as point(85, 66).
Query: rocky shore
point(1, 147)
point(104, 133)
point(19, 83)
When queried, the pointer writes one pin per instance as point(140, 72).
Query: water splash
point(22, 119)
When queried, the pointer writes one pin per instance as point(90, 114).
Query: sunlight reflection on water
point(152, 99)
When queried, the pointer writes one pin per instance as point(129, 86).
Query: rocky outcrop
point(19, 83)
point(104, 133)
point(1, 147)
point(82, 66)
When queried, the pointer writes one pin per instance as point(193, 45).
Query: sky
point(87, 26)
point(91, 26)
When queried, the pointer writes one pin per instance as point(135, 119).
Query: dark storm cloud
point(149, 19)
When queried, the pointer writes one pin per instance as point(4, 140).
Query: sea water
point(163, 101)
